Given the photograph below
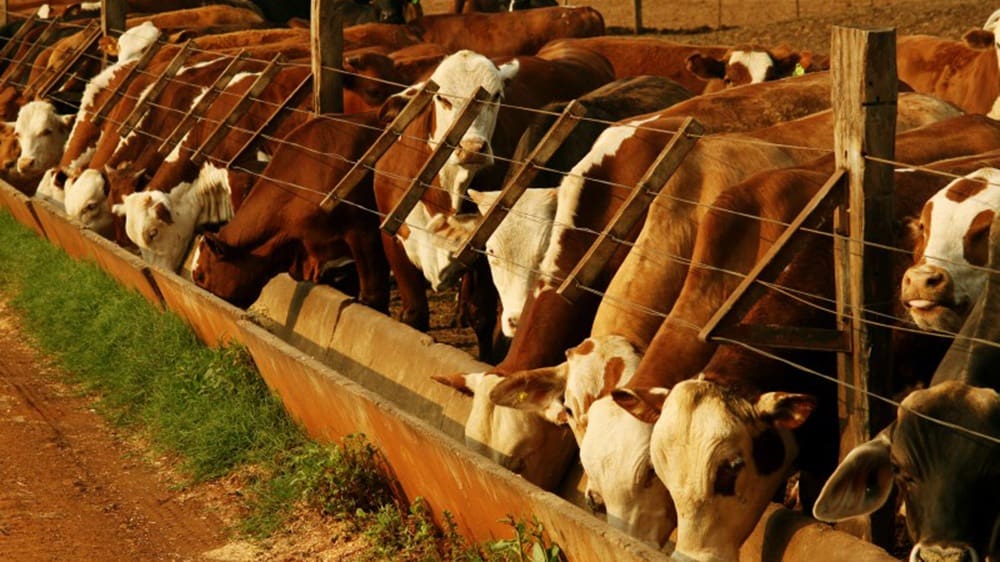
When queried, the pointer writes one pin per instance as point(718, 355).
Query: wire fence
point(813, 300)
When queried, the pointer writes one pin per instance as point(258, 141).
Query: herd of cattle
point(675, 434)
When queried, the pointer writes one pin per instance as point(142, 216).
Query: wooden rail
point(130, 74)
point(632, 210)
point(156, 89)
point(51, 75)
point(418, 186)
point(269, 122)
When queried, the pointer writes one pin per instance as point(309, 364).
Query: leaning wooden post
point(864, 104)
point(327, 29)
point(638, 16)
point(3, 13)
point(113, 17)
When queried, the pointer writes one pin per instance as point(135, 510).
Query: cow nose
point(926, 277)
point(472, 151)
point(944, 553)
point(512, 323)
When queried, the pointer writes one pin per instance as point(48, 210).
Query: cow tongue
point(921, 304)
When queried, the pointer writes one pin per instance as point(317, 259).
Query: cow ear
point(483, 199)
point(912, 230)
point(67, 120)
point(706, 68)
point(531, 390)
point(785, 410)
point(59, 178)
point(860, 485)
point(465, 383)
point(784, 65)
point(118, 209)
point(644, 404)
point(978, 39)
point(509, 71)
point(391, 107)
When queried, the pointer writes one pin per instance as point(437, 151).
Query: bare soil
point(73, 488)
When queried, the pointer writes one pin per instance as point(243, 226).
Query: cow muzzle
point(474, 152)
point(25, 164)
point(926, 286)
point(943, 552)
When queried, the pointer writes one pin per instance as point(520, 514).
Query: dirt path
point(71, 488)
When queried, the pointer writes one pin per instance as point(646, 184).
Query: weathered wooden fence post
point(864, 105)
point(327, 29)
point(113, 17)
point(638, 15)
point(4, 18)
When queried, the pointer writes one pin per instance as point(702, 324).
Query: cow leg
point(483, 304)
point(373, 270)
point(410, 282)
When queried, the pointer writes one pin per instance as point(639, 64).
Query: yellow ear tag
point(522, 396)
point(799, 70)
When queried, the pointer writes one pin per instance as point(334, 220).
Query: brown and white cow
point(954, 71)
point(751, 65)
point(280, 226)
point(509, 33)
point(952, 234)
point(422, 248)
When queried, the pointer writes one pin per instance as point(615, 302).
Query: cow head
point(430, 240)
point(744, 65)
point(86, 199)
point(516, 248)
point(521, 441)
point(231, 273)
point(163, 224)
point(614, 446)
point(721, 457)
point(389, 11)
point(459, 75)
point(947, 478)
point(10, 150)
point(372, 76)
point(952, 247)
point(41, 134)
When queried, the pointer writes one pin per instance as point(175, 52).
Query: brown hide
point(281, 228)
point(950, 70)
point(508, 33)
point(636, 56)
point(389, 35)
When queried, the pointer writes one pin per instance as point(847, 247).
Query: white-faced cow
point(41, 134)
point(952, 247)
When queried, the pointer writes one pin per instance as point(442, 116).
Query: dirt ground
point(73, 488)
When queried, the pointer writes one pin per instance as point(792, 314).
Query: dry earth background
point(130, 507)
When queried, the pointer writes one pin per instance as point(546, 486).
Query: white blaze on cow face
point(952, 248)
point(722, 458)
point(571, 190)
point(162, 224)
point(41, 134)
point(516, 248)
point(86, 201)
point(459, 75)
point(431, 241)
point(757, 63)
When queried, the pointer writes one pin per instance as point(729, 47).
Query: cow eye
point(46, 132)
point(153, 233)
point(726, 474)
point(569, 412)
point(444, 101)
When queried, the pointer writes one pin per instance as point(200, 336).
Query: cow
point(41, 135)
point(420, 249)
point(735, 416)
point(941, 454)
point(280, 228)
point(508, 33)
point(954, 71)
point(952, 236)
point(181, 197)
point(752, 64)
